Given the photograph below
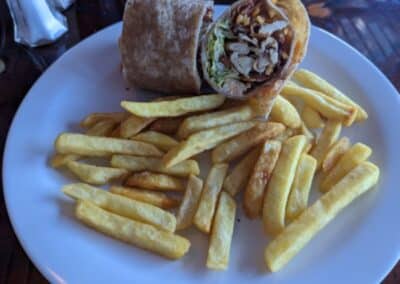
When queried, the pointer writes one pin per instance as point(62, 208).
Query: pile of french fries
point(148, 157)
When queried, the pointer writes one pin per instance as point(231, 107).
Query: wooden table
point(370, 26)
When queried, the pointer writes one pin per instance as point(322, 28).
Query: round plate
point(359, 246)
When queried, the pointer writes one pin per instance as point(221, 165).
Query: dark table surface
point(370, 26)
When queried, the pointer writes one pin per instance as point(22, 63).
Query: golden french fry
point(173, 108)
point(278, 188)
point(221, 234)
point(254, 193)
point(72, 143)
point(286, 134)
point(237, 179)
point(329, 135)
point(309, 135)
point(154, 181)
point(116, 133)
point(204, 140)
point(102, 128)
point(160, 140)
point(334, 153)
point(240, 144)
point(209, 196)
point(138, 164)
point(139, 234)
point(312, 118)
point(313, 81)
point(60, 160)
point(190, 203)
point(95, 117)
point(351, 158)
point(167, 125)
point(95, 174)
point(133, 125)
point(295, 236)
point(123, 206)
point(197, 123)
point(327, 106)
point(284, 112)
point(300, 190)
point(158, 199)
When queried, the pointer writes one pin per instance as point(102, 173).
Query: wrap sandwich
point(253, 48)
point(159, 44)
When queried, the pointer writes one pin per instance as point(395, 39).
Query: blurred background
point(371, 26)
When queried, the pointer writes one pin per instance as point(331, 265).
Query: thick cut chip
point(209, 197)
point(204, 140)
point(72, 143)
point(123, 206)
point(209, 120)
point(335, 152)
point(313, 81)
point(138, 164)
point(351, 158)
point(327, 106)
point(312, 118)
point(329, 135)
point(238, 177)
point(278, 188)
point(60, 160)
point(154, 181)
point(254, 194)
point(190, 203)
point(174, 108)
point(295, 236)
point(139, 234)
point(300, 191)
point(158, 199)
point(284, 112)
point(95, 174)
point(94, 118)
point(102, 128)
point(160, 140)
point(221, 234)
point(133, 125)
point(167, 125)
point(242, 143)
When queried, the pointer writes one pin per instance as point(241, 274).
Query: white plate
point(360, 246)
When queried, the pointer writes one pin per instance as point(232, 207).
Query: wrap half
point(253, 48)
point(159, 44)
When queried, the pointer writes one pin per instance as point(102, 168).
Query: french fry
point(95, 174)
point(300, 190)
point(190, 203)
point(116, 133)
point(284, 112)
point(240, 144)
point(123, 206)
point(334, 153)
point(102, 128)
point(312, 118)
point(303, 130)
point(167, 125)
point(209, 196)
point(154, 181)
point(160, 140)
point(204, 140)
point(175, 107)
point(139, 234)
point(158, 199)
point(197, 123)
point(254, 193)
point(327, 106)
point(286, 134)
point(138, 164)
point(237, 179)
point(351, 158)
point(295, 236)
point(313, 81)
point(278, 188)
point(221, 234)
point(60, 160)
point(329, 135)
point(85, 145)
point(133, 125)
point(95, 117)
